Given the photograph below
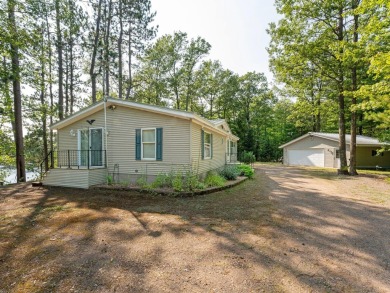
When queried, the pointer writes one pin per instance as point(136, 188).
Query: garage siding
point(312, 157)
point(311, 143)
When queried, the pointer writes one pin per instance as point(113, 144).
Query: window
point(232, 148)
point(337, 154)
point(207, 145)
point(149, 144)
point(376, 153)
point(148, 139)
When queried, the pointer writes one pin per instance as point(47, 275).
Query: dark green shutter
point(159, 146)
point(138, 144)
point(202, 143)
point(211, 146)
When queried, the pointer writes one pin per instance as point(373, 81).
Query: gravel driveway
point(334, 232)
point(287, 230)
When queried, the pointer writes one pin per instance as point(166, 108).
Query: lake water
point(11, 178)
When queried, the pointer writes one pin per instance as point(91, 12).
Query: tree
point(178, 59)
point(59, 60)
point(15, 77)
point(375, 39)
point(209, 80)
point(95, 47)
point(317, 35)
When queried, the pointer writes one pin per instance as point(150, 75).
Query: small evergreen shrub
point(246, 170)
point(214, 180)
point(248, 157)
point(229, 172)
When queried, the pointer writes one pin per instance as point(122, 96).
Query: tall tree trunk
point(360, 124)
point(60, 69)
point(50, 87)
point(318, 114)
point(67, 80)
point(18, 130)
point(43, 102)
point(130, 81)
point(71, 85)
point(341, 100)
point(92, 73)
point(352, 165)
point(107, 50)
point(120, 61)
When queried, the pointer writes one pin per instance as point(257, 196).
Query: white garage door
point(306, 157)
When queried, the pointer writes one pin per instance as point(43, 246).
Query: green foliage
point(246, 170)
point(7, 149)
point(214, 180)
point(248, 157)
point(229, 172)
point(109, 180)
point(163, 180)
point(177, 182)
point(201, 185)
point(191, 181)
point(143, 182)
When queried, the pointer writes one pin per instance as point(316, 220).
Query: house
point(126, 140)
point(321, 150)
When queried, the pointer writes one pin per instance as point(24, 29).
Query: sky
point(236, 29)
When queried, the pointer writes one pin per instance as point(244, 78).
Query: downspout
point(105, 136)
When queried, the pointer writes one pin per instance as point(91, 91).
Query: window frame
point(155, 145)
point(205, 133)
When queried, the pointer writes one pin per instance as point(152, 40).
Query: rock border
point(229, 184)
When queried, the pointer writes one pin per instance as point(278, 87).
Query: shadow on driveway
point(283, 231)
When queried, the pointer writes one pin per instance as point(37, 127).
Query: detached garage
point(321, 150)
point(313, 157)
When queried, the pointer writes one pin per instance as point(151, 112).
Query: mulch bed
point(170, 191)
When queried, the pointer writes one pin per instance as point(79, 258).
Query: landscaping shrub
point(191, 181)
point(214, 180)
point(109, 180)
point(246, 170)
point(201, 185)
point(248, 157)
point(229, 172)
point(163, 180)
point(177, 182)
point(143, 182)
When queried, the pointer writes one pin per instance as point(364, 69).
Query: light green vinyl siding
point(67, 178)
point(366, 159)
point(82, 178)
point(121, 125)
point(219, 148)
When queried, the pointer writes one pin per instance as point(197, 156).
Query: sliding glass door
point(90, 147)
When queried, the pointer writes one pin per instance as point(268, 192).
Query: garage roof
point(361, 140)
